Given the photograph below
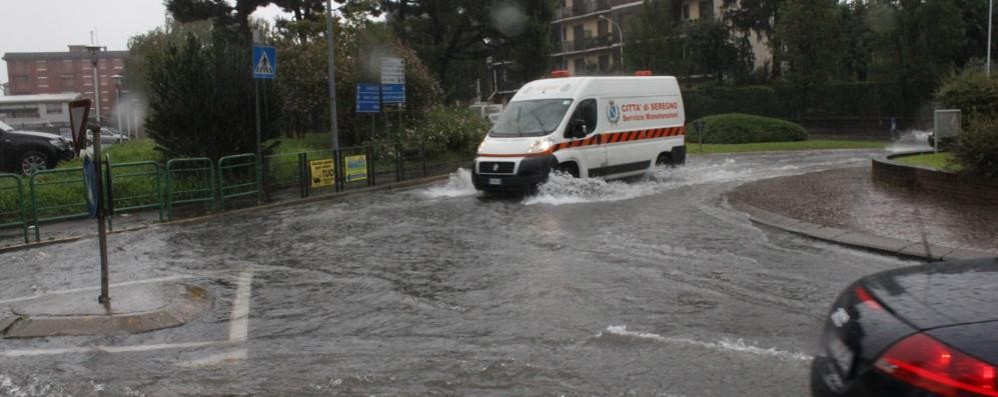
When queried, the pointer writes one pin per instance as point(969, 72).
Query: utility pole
point(332, 77)
point(105, 296)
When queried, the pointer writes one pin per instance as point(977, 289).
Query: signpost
point(264, 67)
point(79, 110)
point(393, 82)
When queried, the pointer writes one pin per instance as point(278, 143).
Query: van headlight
point(540, 145)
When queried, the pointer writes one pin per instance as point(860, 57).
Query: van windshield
point(530, 118)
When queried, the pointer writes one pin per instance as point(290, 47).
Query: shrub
point(440, 130)
point(745, 128)
point(976, 148)
point(973, 93)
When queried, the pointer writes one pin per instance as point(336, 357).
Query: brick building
point(33, 73)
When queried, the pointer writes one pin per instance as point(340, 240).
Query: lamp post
point(117, 100)
point(619, 31)
point(990, 13)
point(104, 297)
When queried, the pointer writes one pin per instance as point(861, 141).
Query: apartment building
point(35, 73)
point(588, 38)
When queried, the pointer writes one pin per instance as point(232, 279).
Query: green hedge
point(838, 100)
point(745, 128)
point(973, 93)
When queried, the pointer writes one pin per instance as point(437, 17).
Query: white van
point(609, 127)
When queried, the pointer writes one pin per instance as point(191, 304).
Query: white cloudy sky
point(51, 25)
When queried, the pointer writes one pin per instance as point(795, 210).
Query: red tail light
point(864, 296)
point(929, 364)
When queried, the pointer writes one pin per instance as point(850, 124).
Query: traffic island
point(133, 309)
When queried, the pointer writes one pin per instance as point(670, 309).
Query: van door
point(586, 150)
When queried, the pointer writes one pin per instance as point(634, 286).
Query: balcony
point(589, 43)
point(581, 7)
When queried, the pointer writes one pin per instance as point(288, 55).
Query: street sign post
point(264, 67)
point(393, 83)
point(79, 110)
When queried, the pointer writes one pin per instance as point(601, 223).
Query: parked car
point(28, 152)
point(929, 330)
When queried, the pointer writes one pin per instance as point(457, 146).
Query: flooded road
point(648, 287)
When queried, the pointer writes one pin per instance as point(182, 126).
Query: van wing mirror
point(576, 128)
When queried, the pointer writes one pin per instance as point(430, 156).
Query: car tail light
point(867, 298)
point(931, 365)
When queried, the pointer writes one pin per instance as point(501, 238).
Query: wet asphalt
point(648, 287)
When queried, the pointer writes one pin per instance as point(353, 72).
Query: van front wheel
point(568, 168)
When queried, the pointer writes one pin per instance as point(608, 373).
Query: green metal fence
point(189, 181)
point(238, 177)
point(53, 201)
point(136, 186)
point(12, 211)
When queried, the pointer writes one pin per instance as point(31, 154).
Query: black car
point(28, 152)
point(929, 330)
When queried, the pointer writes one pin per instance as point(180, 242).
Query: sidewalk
point(845, 206)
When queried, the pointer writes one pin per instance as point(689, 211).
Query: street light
point(105, 297)
point(117, 99)
point(619, 31)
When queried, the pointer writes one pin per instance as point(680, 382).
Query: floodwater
point(648, 287)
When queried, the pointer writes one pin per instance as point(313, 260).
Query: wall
point(944, 184)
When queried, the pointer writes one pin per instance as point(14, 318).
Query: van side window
point(587, 112)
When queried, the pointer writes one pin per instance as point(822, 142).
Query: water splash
point(911, 141)
point(736, 345)
point(458, 185)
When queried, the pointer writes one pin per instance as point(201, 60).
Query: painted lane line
point(107, 349)
point(84, 289)
point(724, 345)
point(239, 323)
point(216, 359)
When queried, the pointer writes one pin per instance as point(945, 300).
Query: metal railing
point(238, 177)
point(135, 186)
point(12, 213)
point(196, 186)
point(42, 185)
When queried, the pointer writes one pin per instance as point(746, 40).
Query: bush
point(745, 128)
point(441, 130)
point(973, 93)
point(976, 148)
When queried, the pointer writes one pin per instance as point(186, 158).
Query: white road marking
point(239, 323)
point(107, 349)
point(74, 290)
point(223, 358)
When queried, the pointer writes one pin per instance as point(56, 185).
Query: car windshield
point(5, 128)
point(530, 118)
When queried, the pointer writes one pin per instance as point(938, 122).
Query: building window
point(706, 9)
point(66, 83)
point(67, 66)
point(604, 63)
point(21, 113)
point(22, 83)
point(53, 109)
point(580, 65)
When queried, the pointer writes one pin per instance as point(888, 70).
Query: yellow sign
point(356, 168)
point(323, 172)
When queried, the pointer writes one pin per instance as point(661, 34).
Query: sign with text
point(323, 172)
point(264, 62)
point(392, 71)
point(368, 98)
point(356, 169)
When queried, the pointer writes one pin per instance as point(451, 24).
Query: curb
point(404, 185)
point(189, 304)
point(887, 245)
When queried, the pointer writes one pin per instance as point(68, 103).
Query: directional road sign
point(264, 62)
point(393, 93)
point(368, 98)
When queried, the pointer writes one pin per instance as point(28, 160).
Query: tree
point(759, 17)
point(711, 50)
point(201, 98)
point(809, 38)
point(652, 44)
point(916, 43)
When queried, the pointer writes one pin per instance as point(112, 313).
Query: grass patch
point(817, 144)
point(941, 161)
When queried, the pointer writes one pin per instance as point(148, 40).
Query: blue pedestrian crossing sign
point(264, 62)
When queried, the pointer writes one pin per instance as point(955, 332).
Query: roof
point(573, 87)
point(32, 56)
point(65, 97)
